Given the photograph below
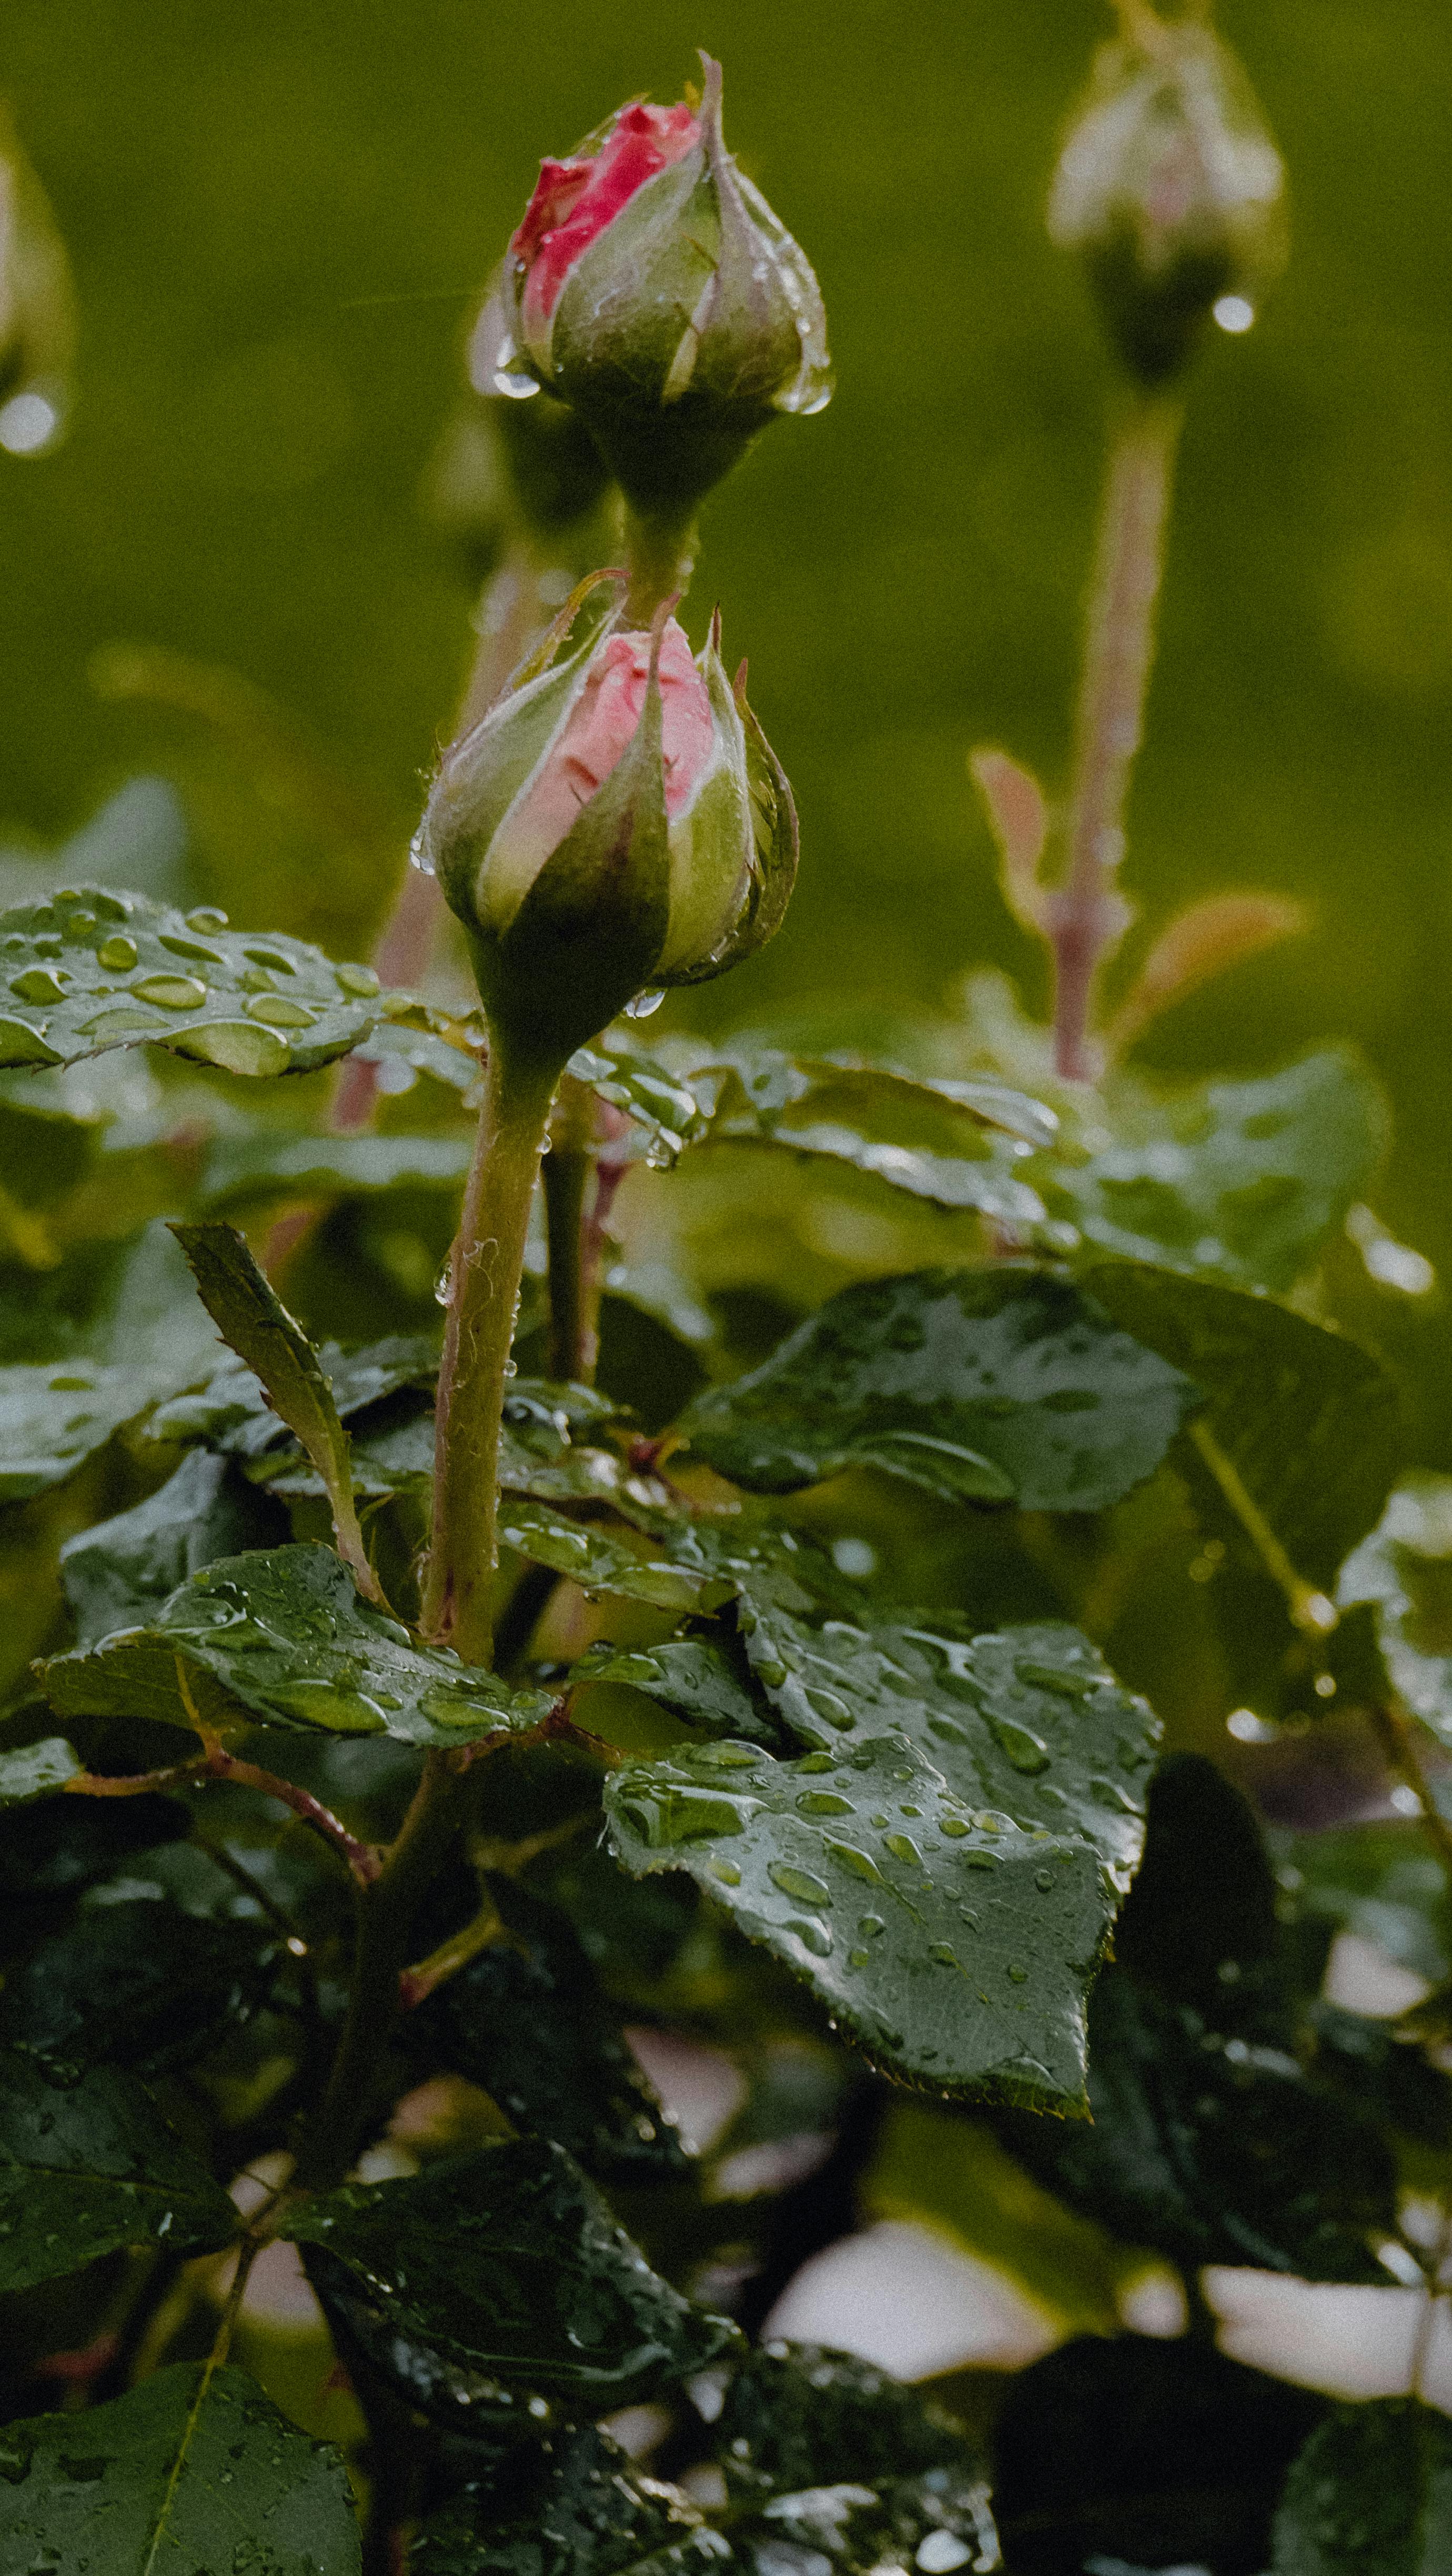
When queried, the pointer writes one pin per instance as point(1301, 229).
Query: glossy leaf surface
point(995, 1386)
point(187, 2473)
point(54, 1417)
point(118, 1571)
point(89, 2164)
point(282, 1636)
point(1405, 1569)
point(138, 1984)
point(1370, 2495)
point(498, 2273)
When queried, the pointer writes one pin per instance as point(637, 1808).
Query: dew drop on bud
point(644, 1003)
point(510, 377)
point(418, 853)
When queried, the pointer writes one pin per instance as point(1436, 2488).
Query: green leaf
point(1243, 1181)
point(246, 1171)
point(991, 1385)
point(694, 1676)
point(119, 1570)
point(249, 1314)
point(684, 1577)
point(138, 1984)
point(89, 2164)
point(497, 2273)
point(796, 2415)
point(1309, 1422)
point(189, 2473)
point(36, 1771)
point(1370, 2495)
point(1405, 1569)
point(588, 2514)
point(282, 1636)
point(665, 1106)
point(91, 970)
point(1381, 1881)
point(54, 1417)
point(228, 1409)
point(954, 1944)
point(1030, 1720)
point(528, 2022)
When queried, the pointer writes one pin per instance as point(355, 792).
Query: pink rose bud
point(617, 821)
point(1171, 188)
point(655, 291)
point(37, 309)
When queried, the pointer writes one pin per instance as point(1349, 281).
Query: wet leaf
point(118, 1571)
point(683, 1577)
point(1309, 1422)
point(1241, 1181)
point(36, 1771)
point(1405, 1569)
point(1370, 2495)
point(249, 1314)
point(227, 1409)
point(661, 1104)
point(993, 1385)
point(952, 1942)
point(91, 970)
point(527, 2021)
point(498, 2273)
point(191, 2472)
point(587, 2512)
point(796, 2415)
point(86, 2164)
point(246, 1171)
point(694, 1676)
point(138, 1984)
point(283, 1636)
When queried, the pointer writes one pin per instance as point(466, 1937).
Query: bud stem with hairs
point(1087, 917)
point(485, 1268)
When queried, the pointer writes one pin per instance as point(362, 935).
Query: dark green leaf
point(500, 2272)
point(246, 1171)
point(118, 1571)
point(1370, 2495)
point(89, 2164)
point(1030, 1720)
point(228, 1409)
point(91, 970)
point(1381, 1881)
point(1243, 1181)
point(587, 2514)
point(190, 2472)
point(697, 1678)
point(527, 2021)
point(795, 2415)
point(1405, 1569)
point(136, 1984)
point(994, 1385)
point(252, 1318)
point(36, 1771)
point(1309, 1422)
point(283, 1636)
point(955, 1945)
point(600, 1560)
point(64, 1844)
point(55, 1416)
point(665, 1107)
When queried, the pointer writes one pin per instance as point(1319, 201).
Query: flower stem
point(484, 1275)
point(660, 554)
point(1119, 649)
point(568, 1170)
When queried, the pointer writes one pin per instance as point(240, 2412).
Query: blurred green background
point(279, 216)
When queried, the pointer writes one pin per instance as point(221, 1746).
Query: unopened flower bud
point(617, 822)
point(657, 294)
point(1171, 188)
point(37, 309)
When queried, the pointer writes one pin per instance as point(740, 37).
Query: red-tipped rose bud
point(1171, 188)
point(37, 309)
point(616, 822)
point(656, 292)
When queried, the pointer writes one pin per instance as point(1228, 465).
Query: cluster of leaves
point(820, 1735)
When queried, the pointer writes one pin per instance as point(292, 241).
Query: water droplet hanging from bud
point(1170, 187)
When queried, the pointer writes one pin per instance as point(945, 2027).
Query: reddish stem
point(217, 1764)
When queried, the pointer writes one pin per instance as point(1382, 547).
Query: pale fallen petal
point(907, 2299)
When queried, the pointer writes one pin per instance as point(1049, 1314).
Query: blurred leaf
point(62, 1845)
point(955, 1946)
point(665, 1107)
point(89, 2164)
point(283, 1636)
point(36, 1771)
point(1019, 816)
point(192, 2471)
point(1309, 1422)
point(1405, 1569)
point(229, 1410)
point(1219, 933)
point(53, 1417)
point(497, 2273)
point(1238, 1180)
point(249, 1314)
point(1370, 2495)
point(92, 970)
point(527, 2022)
point(246, 1171)
point(117, 1571)
point(995, 1385)
point(136, 1984)
point(1381, 1881)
